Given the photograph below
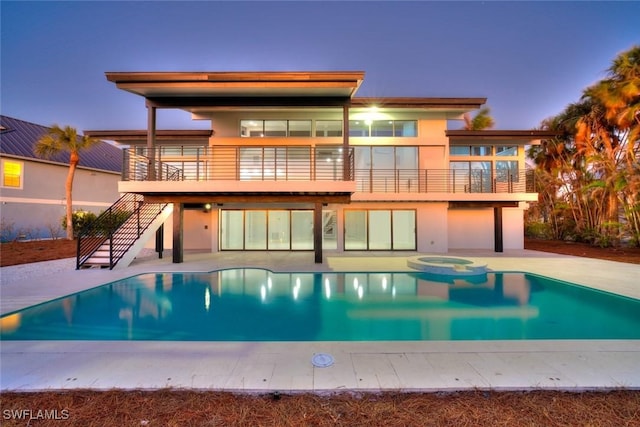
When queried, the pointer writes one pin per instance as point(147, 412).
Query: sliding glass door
point(380, 229)
point(274, 230)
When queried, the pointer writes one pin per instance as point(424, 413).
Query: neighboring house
point(32, 191)
point(295, 162)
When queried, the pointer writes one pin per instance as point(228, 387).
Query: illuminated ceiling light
point(360, 292)
point(263, 293)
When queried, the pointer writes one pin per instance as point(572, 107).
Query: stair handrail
point(110, 226)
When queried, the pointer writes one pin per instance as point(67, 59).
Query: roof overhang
point(527, 136)
point(269, 84)
point(462, 104)
point(199, 136)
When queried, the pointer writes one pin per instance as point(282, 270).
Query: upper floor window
point(327, 128)
point(383, 128)
point(470, 150)
point(502, 150)
point(270, 128)
point(12, 173)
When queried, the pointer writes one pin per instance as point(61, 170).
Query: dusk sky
point(530, 59)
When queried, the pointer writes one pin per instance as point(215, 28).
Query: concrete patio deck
point(287, 367)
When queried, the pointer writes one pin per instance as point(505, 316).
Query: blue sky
point(530, 59)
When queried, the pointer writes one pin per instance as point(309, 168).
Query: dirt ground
point(212, 408)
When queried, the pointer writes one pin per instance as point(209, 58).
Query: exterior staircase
point(120, 232)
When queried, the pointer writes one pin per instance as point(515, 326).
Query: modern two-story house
point(294, 161)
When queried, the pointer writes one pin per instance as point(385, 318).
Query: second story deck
point(289, 170)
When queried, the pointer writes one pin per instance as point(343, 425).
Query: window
point(277, 128)
point(380, 229)
point(473, 150)
point(299, 127)
point(404, 128)
point(471, 177)
point(259, 128)
point(459, 151)
point(506, 151)
point(358, 128)
point(327, 128)
point(383, 128)
point(480, 150)
point(251, 128)
point(12, 173)
point(507, 171)
point(278, 229)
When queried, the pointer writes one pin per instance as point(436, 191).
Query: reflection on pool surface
point(258, 305)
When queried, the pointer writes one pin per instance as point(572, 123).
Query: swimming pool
point(258, 305)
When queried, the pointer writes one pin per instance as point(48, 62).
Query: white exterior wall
point(431, 224)
point(513, 228)
point(197, 229)
point(470, 228)
point(473, 228)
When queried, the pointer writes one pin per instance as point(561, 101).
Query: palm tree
point(58, 140)
point(598, 150)
point(620, 93)
point(481, 121)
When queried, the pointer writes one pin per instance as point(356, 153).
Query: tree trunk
point(68, 186)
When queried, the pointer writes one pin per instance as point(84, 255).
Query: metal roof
point(18, 137)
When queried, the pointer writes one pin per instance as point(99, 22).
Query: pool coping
point(287, 366)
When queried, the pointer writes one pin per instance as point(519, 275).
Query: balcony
point(308, 169)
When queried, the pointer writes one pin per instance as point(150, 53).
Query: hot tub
point(445, 265)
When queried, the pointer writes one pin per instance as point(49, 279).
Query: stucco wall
point(473, 228)
point(432, 227)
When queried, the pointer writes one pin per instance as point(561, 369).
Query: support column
point(317, 232)
point(346, 164)
point(151, 141)
point(160, 240)
point(497, 228)
point(178, 217)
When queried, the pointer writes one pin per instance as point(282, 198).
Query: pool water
point(258, 305)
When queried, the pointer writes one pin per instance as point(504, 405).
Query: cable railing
point(115, 230)
point(444, 181)
point(313, 164)
point(237, 164)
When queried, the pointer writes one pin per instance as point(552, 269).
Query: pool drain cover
point(322, 360)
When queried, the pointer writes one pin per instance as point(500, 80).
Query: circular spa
point(449, 266)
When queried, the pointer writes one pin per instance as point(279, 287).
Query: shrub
point(538, 230)
point(79, 220)
point(7, 231)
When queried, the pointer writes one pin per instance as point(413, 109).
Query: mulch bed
point(16, 253)
point(621, 254)
point(193, 408)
